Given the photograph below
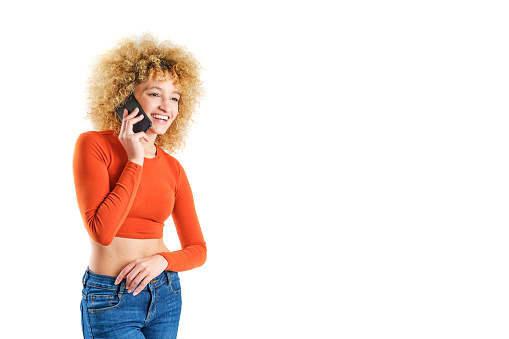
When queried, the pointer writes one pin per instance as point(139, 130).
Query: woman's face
point(159, 99)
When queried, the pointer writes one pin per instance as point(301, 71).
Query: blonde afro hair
point(134, 60)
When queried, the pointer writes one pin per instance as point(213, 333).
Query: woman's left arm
point(194, 249)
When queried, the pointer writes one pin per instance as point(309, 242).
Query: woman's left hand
point(142, 271)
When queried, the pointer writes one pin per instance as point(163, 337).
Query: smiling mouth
point(160, 118)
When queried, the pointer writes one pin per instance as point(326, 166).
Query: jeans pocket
point(102, 299)
point(174, 283)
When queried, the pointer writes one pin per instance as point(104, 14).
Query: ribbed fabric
point(118, 198)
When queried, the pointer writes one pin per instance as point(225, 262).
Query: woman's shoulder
point(166, 156)
point(97, 136)
point(171, 160)
point(97, 141)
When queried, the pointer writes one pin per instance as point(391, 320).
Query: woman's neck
point(149, 147)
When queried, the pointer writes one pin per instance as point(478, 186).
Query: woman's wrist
point(163, 260)
point(137, 161)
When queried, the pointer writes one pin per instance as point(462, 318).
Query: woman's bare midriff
point(110, 260)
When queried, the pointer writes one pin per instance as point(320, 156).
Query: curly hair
point(116, 73)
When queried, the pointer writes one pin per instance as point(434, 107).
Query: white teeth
point(162, 117)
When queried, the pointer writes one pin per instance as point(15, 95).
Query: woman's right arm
point(103, 211)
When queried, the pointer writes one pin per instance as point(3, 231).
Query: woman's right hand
point(130, 140)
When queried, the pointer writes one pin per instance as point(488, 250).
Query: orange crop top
point(118, 198)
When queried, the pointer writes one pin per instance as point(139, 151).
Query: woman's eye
point(154, 94)
point(175, 99)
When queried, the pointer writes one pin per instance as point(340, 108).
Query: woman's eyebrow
point(159, 88)
point(156, 87)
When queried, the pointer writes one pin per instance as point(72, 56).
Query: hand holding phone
point(130, 104)
point(130, 140)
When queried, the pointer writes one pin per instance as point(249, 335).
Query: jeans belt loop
point(122, 287)
point(168, 276)
point(85, 278)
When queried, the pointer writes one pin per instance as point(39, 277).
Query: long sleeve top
point(119, 198)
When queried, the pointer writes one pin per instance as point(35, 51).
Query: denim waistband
point(107, 281)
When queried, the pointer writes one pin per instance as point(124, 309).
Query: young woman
point(127, 186)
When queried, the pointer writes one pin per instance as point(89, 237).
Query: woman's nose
point(165, 105)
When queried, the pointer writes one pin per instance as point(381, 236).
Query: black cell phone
point(130, 104)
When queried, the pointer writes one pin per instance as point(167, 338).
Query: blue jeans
point(109, 311)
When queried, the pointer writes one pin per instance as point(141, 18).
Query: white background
point(349, 165)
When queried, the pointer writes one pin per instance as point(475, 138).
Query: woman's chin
point(159, 130)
